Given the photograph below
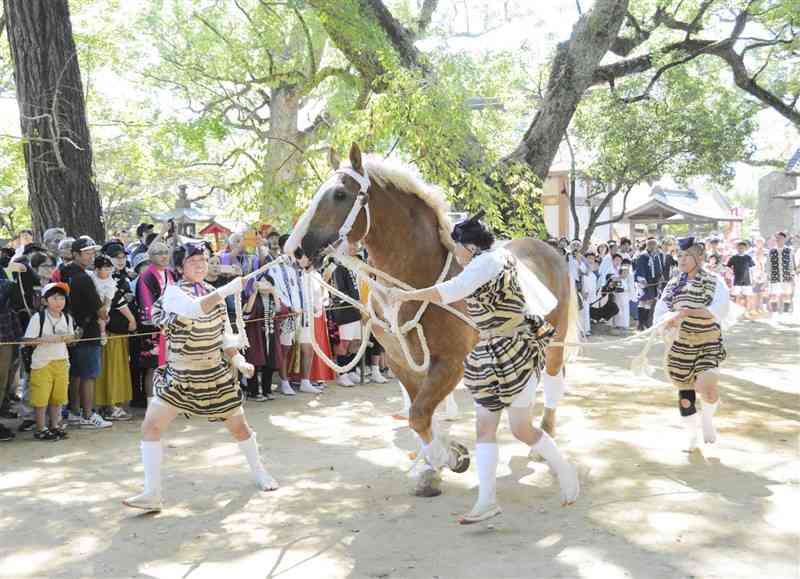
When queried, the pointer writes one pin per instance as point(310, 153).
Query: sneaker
point(257, 398)
point(377, 378)
point(8, 413)
point(94, 422)
point(286, 389)
point(149, 502)
point(344, 381)
point(26, 426)
point(308, 388)
point(74, 419)
point(118, 414)
point(60, 432)
point(6, 434)
point(45, 435)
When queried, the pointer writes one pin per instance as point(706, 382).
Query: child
point(741, 264)
point(106, 288)
point(49, 330)
point(624, 278)
point(260, 313)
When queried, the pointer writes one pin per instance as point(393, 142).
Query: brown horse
point(407, 235)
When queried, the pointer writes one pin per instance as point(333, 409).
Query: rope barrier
point(33, 341)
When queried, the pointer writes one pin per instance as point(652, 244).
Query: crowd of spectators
point(619, 282)
point(78, 347)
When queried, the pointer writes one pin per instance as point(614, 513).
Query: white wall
point(551, 220)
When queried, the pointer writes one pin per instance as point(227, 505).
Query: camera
point(613, 286)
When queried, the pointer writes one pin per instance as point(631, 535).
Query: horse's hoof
point(428, 484)
point(427, 492)
point(459, 457)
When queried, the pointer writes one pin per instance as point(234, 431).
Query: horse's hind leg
point(553, 382)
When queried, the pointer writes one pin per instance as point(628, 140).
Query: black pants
point(253, 387)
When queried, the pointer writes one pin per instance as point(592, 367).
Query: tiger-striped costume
point(512, 344)
point(697, 346)
point(197, 379)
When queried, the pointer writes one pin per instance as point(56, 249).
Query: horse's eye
point(339, 195)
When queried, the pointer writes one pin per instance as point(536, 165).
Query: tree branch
point(570, 75)
point(426, 15)
point(622, 213)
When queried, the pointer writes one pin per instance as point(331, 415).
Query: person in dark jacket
point(648, 271)
point(86, 309)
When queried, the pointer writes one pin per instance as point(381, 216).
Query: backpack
point(26, 352)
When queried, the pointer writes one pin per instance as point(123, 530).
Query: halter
point(361, 202)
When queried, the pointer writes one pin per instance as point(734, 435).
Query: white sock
point(152, 455)
point(553, 387)
point(249, 448)
point(567, 474)
point(547, 449)
point(709, 432)
point(486, 457)
point(690, 425)
point(285, 385)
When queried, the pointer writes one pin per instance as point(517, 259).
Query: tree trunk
point(571, 73)
point(285, 149)
point(58, 152)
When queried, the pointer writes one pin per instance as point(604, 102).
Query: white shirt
point(287, 284)
point(46, 353)
point(106, 288)
point(482, 269)
point(719, 307)
point(485, 267)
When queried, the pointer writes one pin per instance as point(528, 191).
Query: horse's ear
point(355, 159)
point(333, 159)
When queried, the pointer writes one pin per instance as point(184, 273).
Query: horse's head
point(335, 211)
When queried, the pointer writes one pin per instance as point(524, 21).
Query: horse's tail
point(573, 332)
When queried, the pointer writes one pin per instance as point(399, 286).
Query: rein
point(391, 325)
point(361, 202)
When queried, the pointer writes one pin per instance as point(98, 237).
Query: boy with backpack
point(49, 331)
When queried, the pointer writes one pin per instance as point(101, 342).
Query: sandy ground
point(647, 509)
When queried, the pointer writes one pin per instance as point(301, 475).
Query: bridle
point(361, 202)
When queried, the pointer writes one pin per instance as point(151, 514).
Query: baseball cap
point(84, 244)
point(56, 287)
point(140, 259)
point(142, 228)
point(114, 248)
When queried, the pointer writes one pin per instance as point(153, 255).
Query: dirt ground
point(647, 509)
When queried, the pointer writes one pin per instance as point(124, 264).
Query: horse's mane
point(406, 180)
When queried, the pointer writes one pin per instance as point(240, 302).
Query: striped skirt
point(499, 368)
point(697, 348)
point(207, 392)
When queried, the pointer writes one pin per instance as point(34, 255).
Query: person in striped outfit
point(200, 377)
point(695, 347)
point(502, 372)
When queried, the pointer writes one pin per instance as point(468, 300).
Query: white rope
point(309, 317)
point(392, 326)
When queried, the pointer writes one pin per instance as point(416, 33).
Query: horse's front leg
point(437, 452)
